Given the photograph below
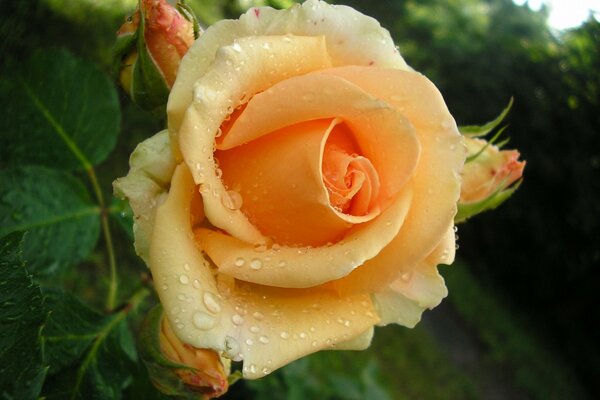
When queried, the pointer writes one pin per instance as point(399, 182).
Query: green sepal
point(468, 210)
point(482, 130)
point(485, 146)
point(161, 369)
point(187, 12)
point(149, 89)
point(122, 47)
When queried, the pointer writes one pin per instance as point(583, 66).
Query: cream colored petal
point(436, 179)
point(418, 288)
point(265, 327)
point(239, 71)
point(360, 342)
point(384, 135)
point(304, 267)
point(345, 30)
point(145, 186)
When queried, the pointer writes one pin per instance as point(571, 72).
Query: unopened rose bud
point(176, 368)
point(150, 46)
point(487, 177)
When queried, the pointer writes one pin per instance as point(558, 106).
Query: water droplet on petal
point(258, 315)
point(183, 279)
point(406, 276)
point(239, 262)
point(254, 329)
point(256, 264)
point(237, 319)
point(203, 321)
point(186, 266)
point(284, 335)
point(249, 342)
point(211, 302)
point(263, 339)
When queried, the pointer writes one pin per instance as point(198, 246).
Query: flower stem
point(111, 297)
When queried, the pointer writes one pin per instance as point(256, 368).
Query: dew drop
point(236, 47)
point(260, 247)
point(256, 264)
point(165, 287)
point(249, 342)
point(183, 279)
point(281, 264)
point(314, 343)
point(175, 310)
point(263, 339)
point(284, 335)
point(211, 303)
point(252, 368)
point(258, 315)
point(203, 321)
point(254, 329)
point(237, 319)
point(302, 335)
point(196, 283)
point(186, 266)
point(312, 329)
point(406, 276)
point(239, 262)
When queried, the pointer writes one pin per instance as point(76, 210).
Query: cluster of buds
point(490, 175)
point(149, 48)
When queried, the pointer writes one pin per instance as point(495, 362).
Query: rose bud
point(150, 46)
point(177, 368)
point(490, 175)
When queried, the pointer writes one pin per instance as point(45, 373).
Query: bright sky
point(565, 13)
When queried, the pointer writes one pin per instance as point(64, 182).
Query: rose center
point(351, 180)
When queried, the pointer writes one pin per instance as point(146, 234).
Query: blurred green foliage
point(527, 291)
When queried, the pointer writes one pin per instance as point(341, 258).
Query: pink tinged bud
point(177, 368)
point(491, 171)
point(168, 36)
point(150, 46)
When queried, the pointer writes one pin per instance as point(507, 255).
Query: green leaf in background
point(22, 316)
point(58, 111)
point(54, 207)
point(91, 355)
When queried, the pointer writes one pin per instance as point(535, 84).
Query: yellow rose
point(305, 191)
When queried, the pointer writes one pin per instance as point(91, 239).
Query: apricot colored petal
point(146, 185)
point(360, 342)
point(265, 327)
point(393, 151)
point(239, 70)
point(292, 267)
point(436, 178)
point(344, 29)
point(279, 180)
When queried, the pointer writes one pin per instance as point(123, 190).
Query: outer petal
point(417, 289)
point(266, 327)
point(436, 179)
point(344, 29)
point(239, 71)
point(304, 267)
point(146, 185)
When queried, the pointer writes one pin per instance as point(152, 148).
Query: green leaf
point(482, 130)
point(91, 355)
point(22, 317)
point(468, 210)
point(57, 111)
point(55, 209)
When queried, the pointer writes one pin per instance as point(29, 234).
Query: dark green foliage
point(22, 316)
point(57, 111)
point(56, 210)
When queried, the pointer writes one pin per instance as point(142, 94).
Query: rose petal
point(393, 150)
point(417, 289)
point(146, 185)
point(236, 74)
point(338, 24)
point(266, 327)
point(436, 178)
point(279, 180)
point(304, 267)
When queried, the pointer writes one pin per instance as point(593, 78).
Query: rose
point(305, 191)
